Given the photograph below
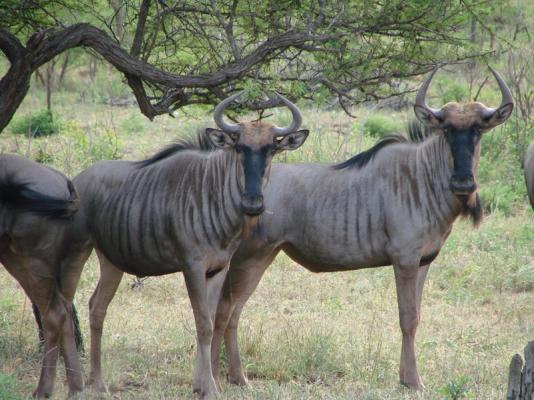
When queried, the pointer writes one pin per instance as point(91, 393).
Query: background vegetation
point(329, 336)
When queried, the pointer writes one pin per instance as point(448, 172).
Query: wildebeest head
point(255, 143)
point(463, 126)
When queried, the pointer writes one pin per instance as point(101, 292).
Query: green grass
point(302, 336)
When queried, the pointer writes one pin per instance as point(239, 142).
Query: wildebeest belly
point(323, 261)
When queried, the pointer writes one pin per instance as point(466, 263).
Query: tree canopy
point(179, 52)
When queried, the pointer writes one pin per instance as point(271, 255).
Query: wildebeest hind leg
point(195, 280)
point(53, 314)
point(69, 351)
point(38, 280)
point(110, 277)
point(406, 278)
point(71, 268)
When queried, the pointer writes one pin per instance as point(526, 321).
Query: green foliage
point(457, 389)
point(134, 124)
point(84, 147)
point(451, 90)
point(500, 176)
point(378, 126)
point(34, 125)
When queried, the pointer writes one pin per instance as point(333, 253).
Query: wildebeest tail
point(20, 196)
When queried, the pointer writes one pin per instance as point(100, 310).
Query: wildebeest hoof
point(45, 394)
point(75, 395)
point(239, 380)
point(415, 384)
point(211, 395)
point(97, 385)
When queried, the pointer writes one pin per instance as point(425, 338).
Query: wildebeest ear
point(291, 141)
point(500, 115)
point(221, 139)
point(426, 116)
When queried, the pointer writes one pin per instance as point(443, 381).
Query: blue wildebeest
point(185, 209)
point(529, 172)
point(36, 208)
point(394, 204)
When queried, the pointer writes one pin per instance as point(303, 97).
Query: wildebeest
point(185, 209)
point(529, 172)
point(394, 204)
point(36, 209)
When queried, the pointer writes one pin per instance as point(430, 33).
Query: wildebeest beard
point(472, 208)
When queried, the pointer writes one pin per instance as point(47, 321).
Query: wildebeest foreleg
point(110, 277)
point(241, 281)
point(421, 277)
point(406, 279)
point(195, 280)
point(214, 286)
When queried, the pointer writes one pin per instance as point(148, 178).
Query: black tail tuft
point(20, 197)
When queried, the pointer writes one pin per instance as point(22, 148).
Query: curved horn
point(297, 117)
point(219, 111)
point(505, 92)
point(421, 95)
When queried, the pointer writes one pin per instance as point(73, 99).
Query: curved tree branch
point(45, 45)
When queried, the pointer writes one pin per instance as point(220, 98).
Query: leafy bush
point(82, 148)
point(500, 177)
point(40, 124)
point(449, 89)
point(379, 126)
point(457, 389)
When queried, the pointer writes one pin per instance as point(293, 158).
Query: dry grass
point(303, 336)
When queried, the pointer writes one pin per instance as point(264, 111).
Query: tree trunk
point(49, 84)
point(521, 376)
point(63, 71)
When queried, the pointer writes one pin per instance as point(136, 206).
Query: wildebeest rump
point(36, 209)
point(393, 204)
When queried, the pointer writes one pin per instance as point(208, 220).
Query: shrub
point(379, 126)
point(456, 389)
point(40, 124)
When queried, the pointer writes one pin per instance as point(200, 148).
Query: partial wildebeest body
point(184, 209)
point(529, 172)
point(393, 204)
point(36, 209)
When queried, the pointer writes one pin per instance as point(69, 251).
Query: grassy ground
point(303, 336)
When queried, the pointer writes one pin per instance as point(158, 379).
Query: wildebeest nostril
point(463, 185)
point(252, 205)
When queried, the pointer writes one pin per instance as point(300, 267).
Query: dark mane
point(363, 158)
point(417, 133)
point(199, 142)
point(20, 197)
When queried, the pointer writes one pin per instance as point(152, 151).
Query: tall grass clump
point(42, 123)
point(500, 176)
point(8, 388)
